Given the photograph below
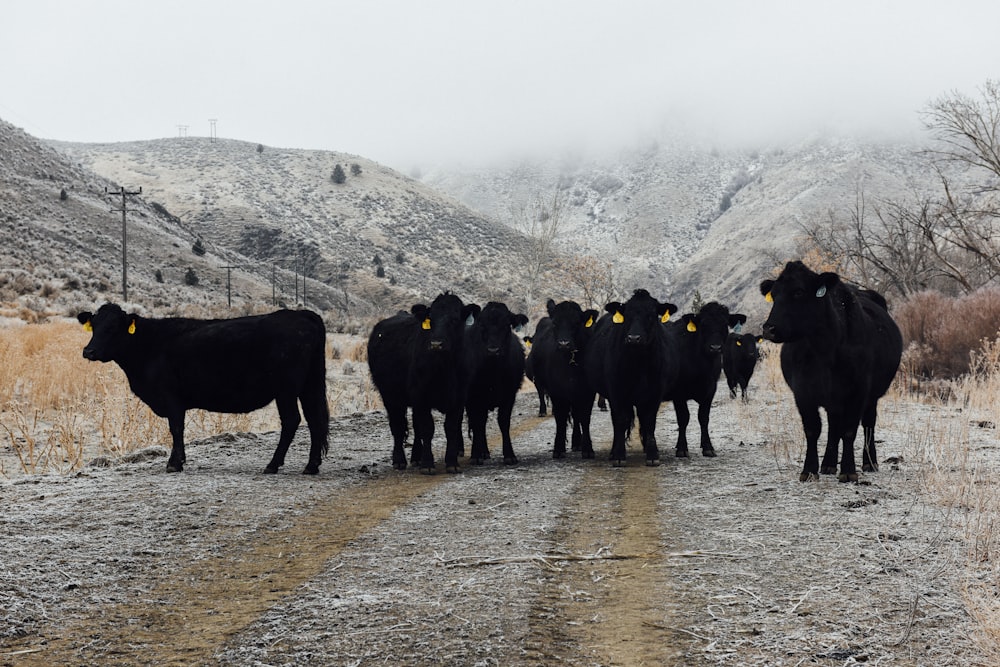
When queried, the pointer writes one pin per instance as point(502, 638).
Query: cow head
point(640, 317)
point(494, 326)
point(800, 301)
point(443, 324)
point(571, 324)
point(711, 324)
point(110, 327)
point(744, 345)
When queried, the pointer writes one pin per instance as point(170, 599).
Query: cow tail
point(316, 387)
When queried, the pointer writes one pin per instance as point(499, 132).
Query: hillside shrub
point(190, 278)
point(941, 334)
point(198, 248)
point(338, 175)
point(355, 169)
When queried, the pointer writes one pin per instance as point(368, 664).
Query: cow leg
point(704, 411)
point(848, 468)
point(621, 423)
point(743, 391)
point(453, 435)
point(177, 456)
point(835, 431)
point(732, 389)
point(477, 426)
point(647, 431)
point(811, 425)
point(542, 408)
point(581, 423)
point(504, 413)
point(560, 411)
point(288, 412)
point(397, 426)
point(317, 414)
point(683, 417)
point(423, 433)
point(869, 458)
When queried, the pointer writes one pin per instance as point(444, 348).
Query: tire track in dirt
point(192, 612)
point(605, 609)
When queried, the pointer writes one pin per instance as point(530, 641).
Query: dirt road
point(725, 561)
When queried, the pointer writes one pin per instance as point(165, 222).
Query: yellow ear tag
point(87, 326)
point(739, 343)
point(426, 324)
point(691, 327)
point(666, 316)
point(767, 297)
point(590, 322)
point(131, 327)
point(618, 317)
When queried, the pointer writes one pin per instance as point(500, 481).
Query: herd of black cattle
point(840, 351)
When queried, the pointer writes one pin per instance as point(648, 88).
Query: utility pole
point(229, 290)
point(211, 128)
point(123, 193)
point(274, 284)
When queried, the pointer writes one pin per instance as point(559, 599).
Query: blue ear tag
point(738, 328)
point(470, 320)
point(821, 292)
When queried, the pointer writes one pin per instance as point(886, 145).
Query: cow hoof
point(399, 466)
point(869, 467)
point(510, 460)
point(475, 461)
point(427, 471)
point(270, 470)
point(452, 470)
point(828, 470)
point(174, 468)
point(652, 463)
point(710, 453)
point(618, 463)
point(557, 454)
point(808, 477)
point(587, 454)
point(847, 477)
point(681, 453)
point(311, 470)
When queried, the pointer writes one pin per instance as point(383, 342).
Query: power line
point(123, 193)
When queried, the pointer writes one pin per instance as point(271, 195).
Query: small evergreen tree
point(159, 276)
point(260, 148)
point(198, 248)
point(62, 195)
point(338, 175)
point(355, 169)
point(190, 278)
point(380, 272)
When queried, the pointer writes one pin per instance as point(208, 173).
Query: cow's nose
point(768, 331)
point(715, 348)
point(633, 339)
point(563, 344)
point(88, 354)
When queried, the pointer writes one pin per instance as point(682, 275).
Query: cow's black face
point(571, 325)
point(640, 317)
point(110, 326)
point(711, 324)
point(800, 299)
point(443, 324)
point(494, 327)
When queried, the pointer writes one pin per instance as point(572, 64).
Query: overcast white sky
point(411, 82)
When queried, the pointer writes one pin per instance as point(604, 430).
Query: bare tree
point(540, 219)
point(588, 280)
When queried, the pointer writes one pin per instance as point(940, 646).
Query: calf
point(557, 357)
point(840, 351)
point(415, 360)
point(493, 361)
point(235, 365)
point(631, 362)
point(739, 358)
point(698, 339)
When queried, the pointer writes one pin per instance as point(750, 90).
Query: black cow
point(841, 350)
point(234, 365)
point(631, 362)
point(557, 357)
point(494, 363)
point(739, 358)
point(529, 371)
point(698, 340)
point(415, 361)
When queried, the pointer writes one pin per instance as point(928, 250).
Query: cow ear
point(131, 326)
point(765, 290)
point(826, 282)
point(760, 339)
point(665, 310)
point(470, 312)
point(518, 321)
point(689, 324)
point(550, 305)
point(591, 316)
point(613, 307)
point(419, 310)
point(737, 319)
point(84, 319)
